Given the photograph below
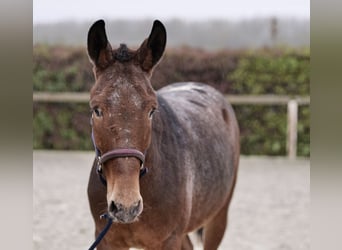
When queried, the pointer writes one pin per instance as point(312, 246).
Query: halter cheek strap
point(117, 153)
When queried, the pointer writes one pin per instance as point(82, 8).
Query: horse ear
point(99, 49)
point(152, 49)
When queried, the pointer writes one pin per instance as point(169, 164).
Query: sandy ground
point(270, 208)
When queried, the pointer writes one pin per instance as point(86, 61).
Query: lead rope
point(103, 216)
point(103, 232)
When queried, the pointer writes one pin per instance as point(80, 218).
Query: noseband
point(116, 153)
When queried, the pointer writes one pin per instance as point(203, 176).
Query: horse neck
point(153, 152)
point(164, 140)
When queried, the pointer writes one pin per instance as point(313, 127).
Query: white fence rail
point(291, 102)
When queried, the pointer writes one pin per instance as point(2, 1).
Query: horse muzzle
point(125, 214)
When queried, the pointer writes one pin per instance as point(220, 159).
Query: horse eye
point(151, 113)
point(97, 112)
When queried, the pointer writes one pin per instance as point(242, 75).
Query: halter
point(116, 153)
point(100, 160)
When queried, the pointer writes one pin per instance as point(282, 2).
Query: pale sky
point(47, 11)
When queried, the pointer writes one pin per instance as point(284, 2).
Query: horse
point(167, 160)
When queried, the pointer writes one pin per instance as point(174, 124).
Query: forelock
point(123, 54)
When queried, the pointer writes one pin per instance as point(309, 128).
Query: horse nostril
point(136, 209)
point(113, 208)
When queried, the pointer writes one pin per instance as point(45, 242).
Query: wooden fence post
point(292, 120)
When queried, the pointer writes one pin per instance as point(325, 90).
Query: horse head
point(123, 101)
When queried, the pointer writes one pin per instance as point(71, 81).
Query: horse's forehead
point(123, 85)
point(119, 73)
point(125, 92)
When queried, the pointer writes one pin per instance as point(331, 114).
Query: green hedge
point(287, 73)
point(263, 128)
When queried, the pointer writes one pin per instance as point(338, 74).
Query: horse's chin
point(124, 220)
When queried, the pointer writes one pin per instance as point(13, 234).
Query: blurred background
point(257, 53)
point(254, 48)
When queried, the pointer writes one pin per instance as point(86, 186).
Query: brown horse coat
point(191, 144)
